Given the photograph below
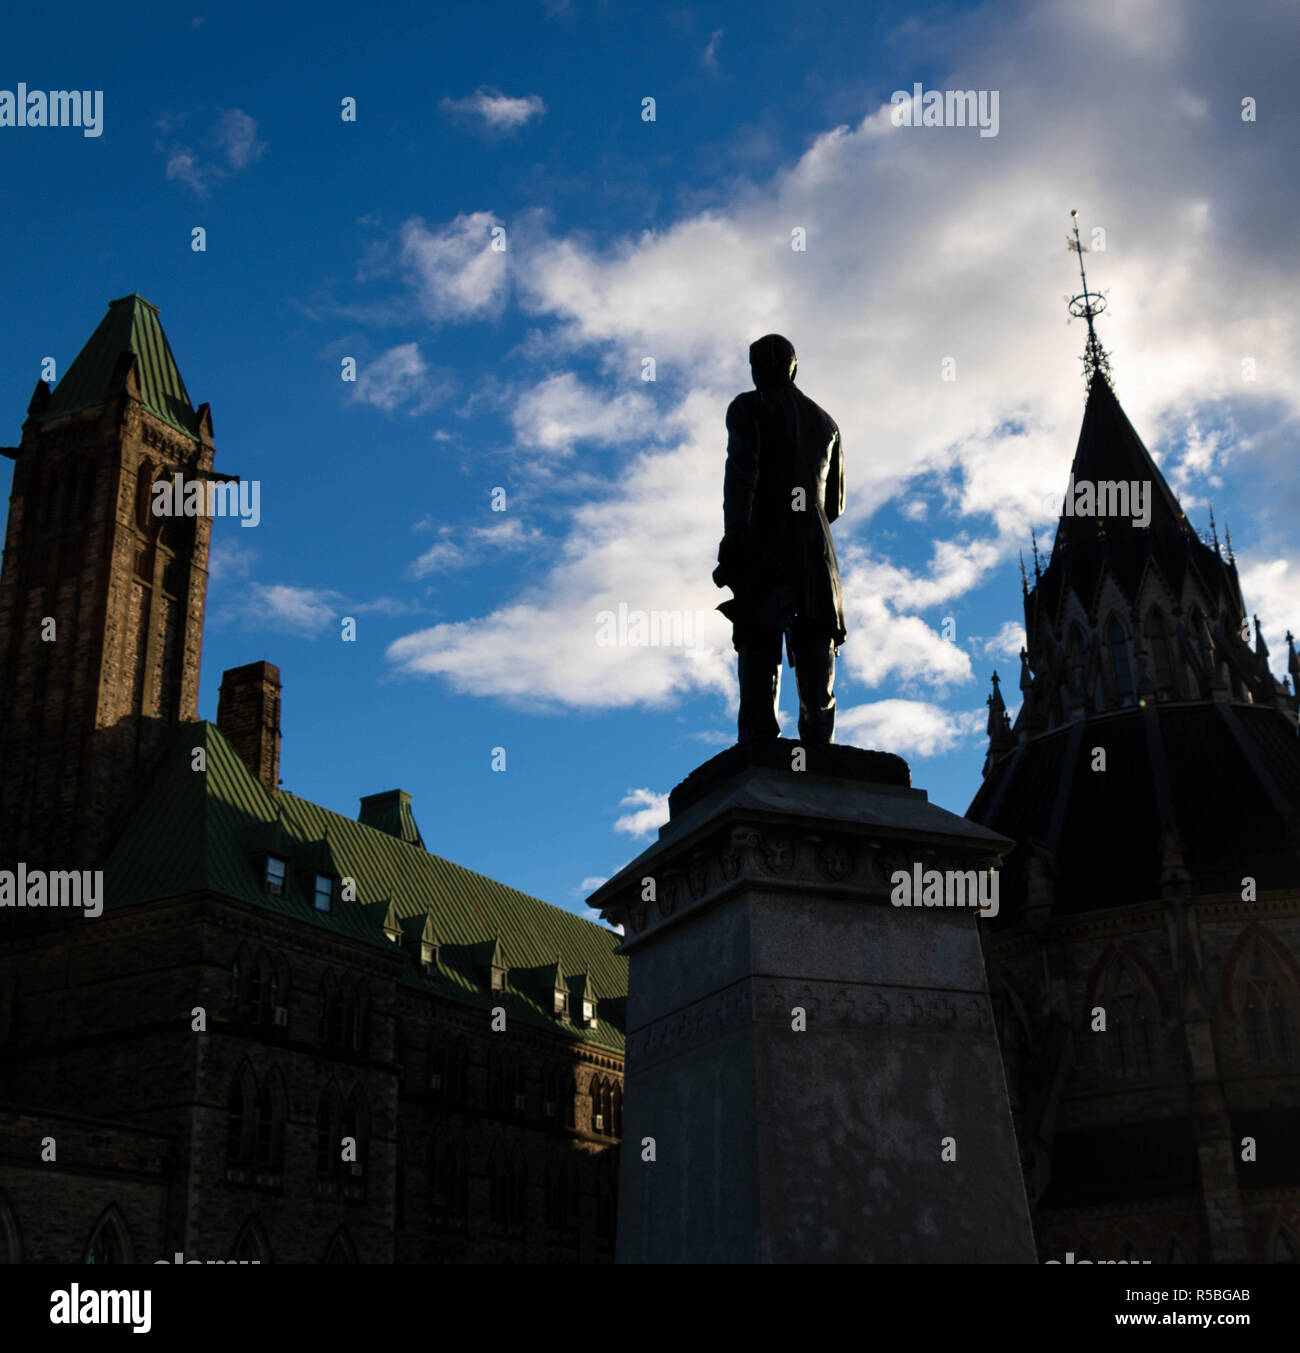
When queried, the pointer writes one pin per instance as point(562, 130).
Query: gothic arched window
point(272, 1108)
point(241, 1118)
point(1131, 1040)
point(1117, 638)
point(1266, 1002)
point(1164, 669)
point(251, 1245)
point(598, 1107)
point(1078, 652)
point(108, 1244)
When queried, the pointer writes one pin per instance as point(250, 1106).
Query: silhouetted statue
point(784, 486)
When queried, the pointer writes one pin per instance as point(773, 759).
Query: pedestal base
point(812, 1074)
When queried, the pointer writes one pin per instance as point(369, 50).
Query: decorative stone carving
point(777, 855)
point(835, 861)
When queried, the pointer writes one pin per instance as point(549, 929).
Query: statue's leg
point(814, 670)
point(759, 667)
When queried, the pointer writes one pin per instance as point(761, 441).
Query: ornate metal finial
point(1088, 305)
point(1232, 558)
point(1024, 577)
point(1214, 531)
point(1033, 536)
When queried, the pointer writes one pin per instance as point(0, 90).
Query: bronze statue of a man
point(784, 485)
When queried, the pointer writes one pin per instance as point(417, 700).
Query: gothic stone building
point(290, 1036)
point(1152, 784)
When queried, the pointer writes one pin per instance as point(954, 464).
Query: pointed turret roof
point(131, 326)
point(1109, 450)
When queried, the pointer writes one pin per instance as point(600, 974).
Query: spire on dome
point(999, 726)
point(1087, 306)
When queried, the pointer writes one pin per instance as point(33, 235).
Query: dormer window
point(394, 936)
point(323, 892)
point(498, 978)
point(428, 956)
point(588, 1012)
point(561, 1002)
point(276, 869)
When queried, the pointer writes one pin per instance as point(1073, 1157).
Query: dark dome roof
point(1212, 788)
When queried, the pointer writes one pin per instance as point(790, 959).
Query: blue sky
point(670, 239)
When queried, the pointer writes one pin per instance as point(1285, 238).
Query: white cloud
point(499, 111)
point(230, 558)
point(234, 139)
point(711, 51)
point(456, 272)
point(905, 228)
point(1271, 589)
point(908, 727)
point(649, 813)
point(559, 411)
point(476, 544)
point(305, 611)
point(1006, 643)
point(400, 377)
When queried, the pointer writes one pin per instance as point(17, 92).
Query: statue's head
point(772, 360)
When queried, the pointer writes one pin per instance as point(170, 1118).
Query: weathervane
point(1087, 305)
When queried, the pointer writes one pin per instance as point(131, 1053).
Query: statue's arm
point(741, 478)
point(835, 477)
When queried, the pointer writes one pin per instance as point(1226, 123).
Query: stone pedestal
point(788, 1137)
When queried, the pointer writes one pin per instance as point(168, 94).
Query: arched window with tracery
point(1131, 1042)
point(1121, 665)
point(272, 1110)
point(241, 1118)
point(108, 1243)
point(1266, 1001)
point(1160, 648)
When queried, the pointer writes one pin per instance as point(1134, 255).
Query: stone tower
point(1151, 781)
point(101, 601)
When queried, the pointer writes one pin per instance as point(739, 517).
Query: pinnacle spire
point(1088, 305)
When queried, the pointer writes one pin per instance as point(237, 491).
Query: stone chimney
point(248, 714)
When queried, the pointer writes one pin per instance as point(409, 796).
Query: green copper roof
point(209, 830)
point(131, 325)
